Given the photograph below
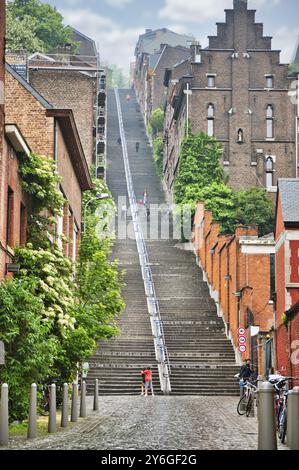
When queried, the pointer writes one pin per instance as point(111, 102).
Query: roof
point(288, 190)
point(151, 41)
point(67, 123)
point(87, 46)
point(296, 54)
point(28, 87)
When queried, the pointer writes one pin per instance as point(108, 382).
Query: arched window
point(269, 120)
point(269, 172)
point(211, 117)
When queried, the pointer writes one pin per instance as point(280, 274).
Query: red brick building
point(287, 277)
point(237, 269)
point(51, 132)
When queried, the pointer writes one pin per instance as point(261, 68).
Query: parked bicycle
point(281, 387)
point(247, 401)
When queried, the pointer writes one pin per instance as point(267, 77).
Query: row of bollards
point(267, 427)
point(52, 425)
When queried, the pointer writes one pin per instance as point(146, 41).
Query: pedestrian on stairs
point(137, 147)
point(148, 375)
point(143, 382)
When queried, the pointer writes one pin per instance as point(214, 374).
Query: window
point(269, 121)
point(269, 81)
point(269, 172)
point(211, 81)
point(9, 217)
point(211, 117)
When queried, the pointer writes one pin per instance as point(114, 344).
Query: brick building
point(238, 271)
point(239, 94)
point(155, 51)
point(51, 132)
point(73, 81)
point(287, 277)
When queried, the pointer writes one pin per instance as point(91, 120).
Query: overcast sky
point(116, 24)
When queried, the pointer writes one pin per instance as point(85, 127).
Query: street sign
point(242, 339)
point(2, 353)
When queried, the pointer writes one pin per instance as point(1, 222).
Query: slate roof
point(289, 196)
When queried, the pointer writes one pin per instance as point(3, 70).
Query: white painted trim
point(258, 249)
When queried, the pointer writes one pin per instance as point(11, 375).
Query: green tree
point(30, 348)
point(253, 207)
point(199, 167)
point(21, 34)
point(156, 123)
point(46, 22)
point(158, 145)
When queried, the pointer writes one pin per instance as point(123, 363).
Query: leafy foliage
point(158, 154)
point(50, 319)
point(201, 178)
point(46, 30)
point(31, 350)
point(156, 123)
point(199, 167)
point(21, 34)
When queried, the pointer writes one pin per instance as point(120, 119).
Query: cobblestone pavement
point(156, 423)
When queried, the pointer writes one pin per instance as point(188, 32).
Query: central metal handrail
point(152, 301)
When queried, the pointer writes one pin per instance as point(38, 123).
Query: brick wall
point(22, 108)
point(236, 264)
point(70, 90)
point(2, 162)
point(170, 57)
point(70, 185)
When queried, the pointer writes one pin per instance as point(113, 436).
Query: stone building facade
point(155, 51)
point(239, 94)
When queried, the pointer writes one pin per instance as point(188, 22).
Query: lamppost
point(98, 197)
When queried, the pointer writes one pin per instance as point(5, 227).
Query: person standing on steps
point(137, 147)
point(119, 141)
point(148, 375)
point(143, 382)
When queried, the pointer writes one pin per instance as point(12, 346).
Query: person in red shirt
point(148, 378)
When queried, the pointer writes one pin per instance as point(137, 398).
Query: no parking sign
point(242, 340)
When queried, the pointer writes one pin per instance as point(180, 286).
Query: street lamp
point(98, 197)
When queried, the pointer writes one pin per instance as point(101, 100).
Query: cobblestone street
point(156, 423)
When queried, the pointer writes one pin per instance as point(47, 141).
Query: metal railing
point(152, 301)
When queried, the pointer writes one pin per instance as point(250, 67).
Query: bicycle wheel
point(242, 405)
point(249, 405)
point(282, 432)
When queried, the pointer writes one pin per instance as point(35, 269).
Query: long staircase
point(202, 358)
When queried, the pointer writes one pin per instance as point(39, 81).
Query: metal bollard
point(74, 411)
point(293, 419)
point(4, 415)
point(83, 401)
point(266, 418)
point(52, 410)
point(65, 407)
point(96, 396)
point(32, 430)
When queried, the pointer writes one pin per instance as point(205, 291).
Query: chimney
point(196, 51)
point(240, 4)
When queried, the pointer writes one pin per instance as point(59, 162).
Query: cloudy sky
point(116, 24)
